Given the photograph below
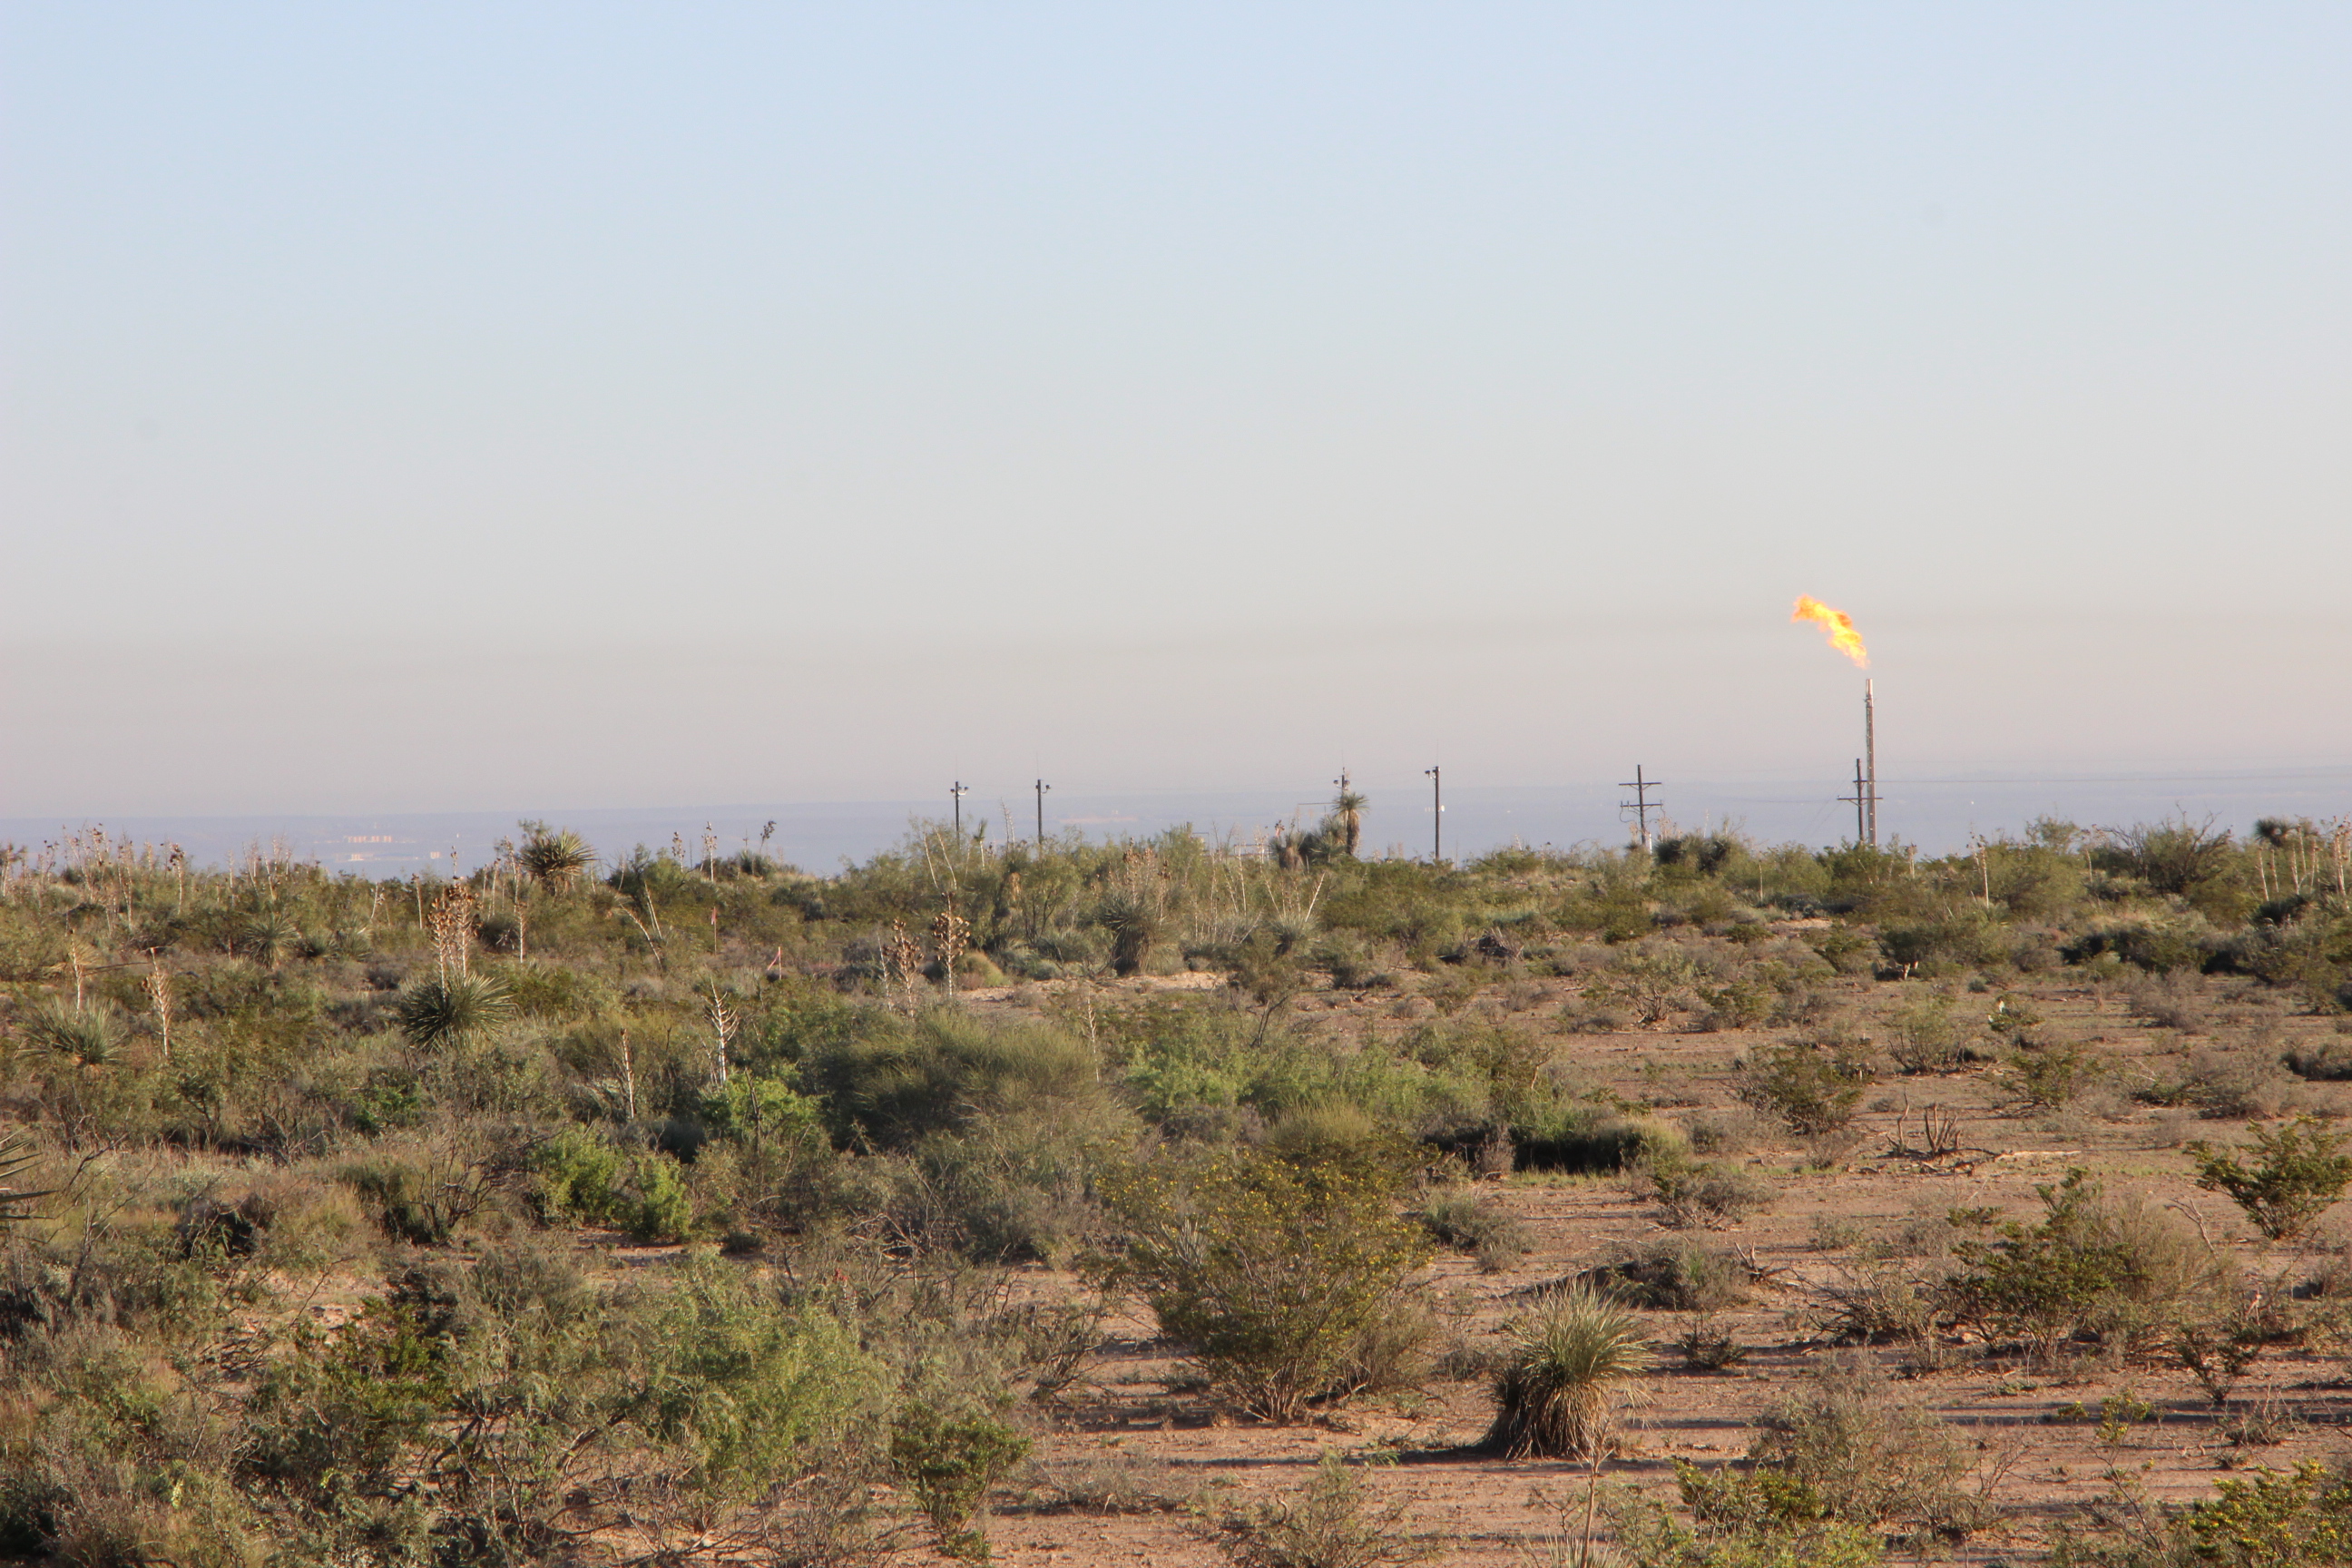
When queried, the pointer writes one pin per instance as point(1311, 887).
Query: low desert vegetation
point(693, 1209)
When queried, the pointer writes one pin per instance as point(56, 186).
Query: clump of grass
point(1492, 1234)
point(1330, 1522)
point(1567, 1374)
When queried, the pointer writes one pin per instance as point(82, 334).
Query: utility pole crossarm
point(1641, 805)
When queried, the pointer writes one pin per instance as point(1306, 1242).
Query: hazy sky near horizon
point(442, 406)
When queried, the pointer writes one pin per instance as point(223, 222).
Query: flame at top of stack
point(1837, 624)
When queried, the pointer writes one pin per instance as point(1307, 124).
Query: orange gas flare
point(1837, 624)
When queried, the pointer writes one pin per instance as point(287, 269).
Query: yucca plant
point(554, 858)
point(1134, 922)
point(268, 937)
point(18, 1153)
point(88, 1034)
point(443, 1010)
point(1557, 1394)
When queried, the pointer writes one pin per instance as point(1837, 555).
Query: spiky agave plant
point(268, 936)
point(446, 1009)
point(17, 1153)
point(554, 858)
point(1134, 922)
point(1557, 1394)
point(88, 1034)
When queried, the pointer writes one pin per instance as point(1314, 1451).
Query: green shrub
point(1927, 1039)
point(949, 1070)
point(1017, 1188)
point(1867, 1457)
point(576, 1175)
point(420, 1193)
point(1588, 1140)
point(1757, 1519)
point(2302, 1519)
point(1675, 1276)
point(1700, 1193)
point(742, 1386)
point(2298, 1172)
point(2115, 1272)
point(949, 1460)
point(1813, 1087)
point(2053, 1074)
point(1270, 1274)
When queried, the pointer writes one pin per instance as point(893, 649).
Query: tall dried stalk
point(451, 921)
point(158, 996)
point(721, 1018)
point(951, 933)
point(902, 962)
point(628, 1077)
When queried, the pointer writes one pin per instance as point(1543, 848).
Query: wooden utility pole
point(1041, 787)
point(1861, 799)
point(1436, 815)
point(1641, 805)
point(957, 791)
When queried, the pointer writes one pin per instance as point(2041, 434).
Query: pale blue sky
point(451, 407)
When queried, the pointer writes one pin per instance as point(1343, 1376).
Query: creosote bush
point(2298, 1170)
point(1274, 1276)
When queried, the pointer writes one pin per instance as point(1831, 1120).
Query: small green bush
point(1691, 1193)
point(1813, 1087)
point(2110, 1271)
point(1272, 1275)
point(949, 1460)
point(1868, 1456)
point(2299, 1170)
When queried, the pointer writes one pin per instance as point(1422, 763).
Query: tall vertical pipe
point(1870, 753)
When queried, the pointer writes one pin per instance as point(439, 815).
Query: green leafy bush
point(1480, 1227)
point(2111, 1271)
point(2299, 1170)
point(1691, 1193)
point(1330, 1522)
point(949, 1460)
point(1813, 1087)
point(1272, 1275)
